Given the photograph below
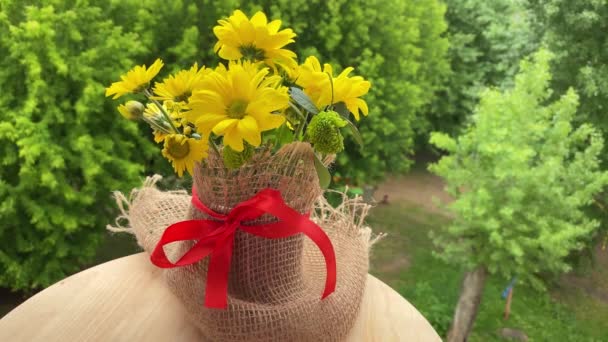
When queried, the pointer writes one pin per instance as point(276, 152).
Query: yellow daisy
point(255, 40)
point(183, 152)
point(238, 103)
point(135, 80)
point(314, 80)
point(179, 87)
point(316, 84)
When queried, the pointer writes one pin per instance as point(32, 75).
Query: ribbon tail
point(270, 201)
point(313, 232)
point(216, 289)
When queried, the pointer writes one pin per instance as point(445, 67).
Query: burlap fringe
point(353, 210)
point(122, 222)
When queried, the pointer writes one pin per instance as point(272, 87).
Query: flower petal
point(225, 125)
point(205, 123)
point(233, 139)
point(249, 130)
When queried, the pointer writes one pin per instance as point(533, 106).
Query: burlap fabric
point(275, 286)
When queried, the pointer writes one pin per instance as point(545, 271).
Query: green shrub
point(63, 148)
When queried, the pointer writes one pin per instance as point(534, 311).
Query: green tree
point(575, 30)
point(63, 147)
point(487, 41)
point(521, 175)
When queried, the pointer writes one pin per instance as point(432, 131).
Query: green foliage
point(63, 147)
point(521, 175)
point(487, 41)
point(437, 311)
point(576, 32)
point(234, 159)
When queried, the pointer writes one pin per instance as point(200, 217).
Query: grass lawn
point(404, 260)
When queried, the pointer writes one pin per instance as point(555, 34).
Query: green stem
point(331, 82)
point(300, 129)
point(162, 109)
point(214, 146)
point(294, 107)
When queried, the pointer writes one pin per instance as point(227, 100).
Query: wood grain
point(126, 300)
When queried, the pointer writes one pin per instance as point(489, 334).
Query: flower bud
point(132, 110)
point(323, 132)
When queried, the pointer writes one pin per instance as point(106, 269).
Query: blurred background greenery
point(64, 148)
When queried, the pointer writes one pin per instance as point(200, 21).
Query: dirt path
point(418, 187)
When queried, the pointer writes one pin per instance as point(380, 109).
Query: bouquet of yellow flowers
point(261, 98)
point(254, 253)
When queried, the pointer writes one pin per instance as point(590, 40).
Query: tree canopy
point(521, 175)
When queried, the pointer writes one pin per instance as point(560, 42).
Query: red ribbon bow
point(215, 238)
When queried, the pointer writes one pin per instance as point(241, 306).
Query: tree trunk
point(468, 305)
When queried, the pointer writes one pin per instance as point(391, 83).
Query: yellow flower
point(183, 152)
point(135, 80)
point(238, 103)
point(159, 136)
point(314, 80)
point(255, 39)
point(316, 84)
point(179, 87)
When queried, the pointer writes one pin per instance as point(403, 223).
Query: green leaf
point(355, 131)
point(323, 173)
point(303, 100)
point(341, 109)
point(356, 191)
point(284, 135)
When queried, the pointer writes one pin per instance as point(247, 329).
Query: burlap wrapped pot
point(275, 285)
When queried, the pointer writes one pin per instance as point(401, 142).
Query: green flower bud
point(234, 159)
point(323, 132)
point(132, 110)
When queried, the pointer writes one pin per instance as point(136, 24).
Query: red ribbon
point(215, 238)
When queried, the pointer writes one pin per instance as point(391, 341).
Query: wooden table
point(127, 300)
